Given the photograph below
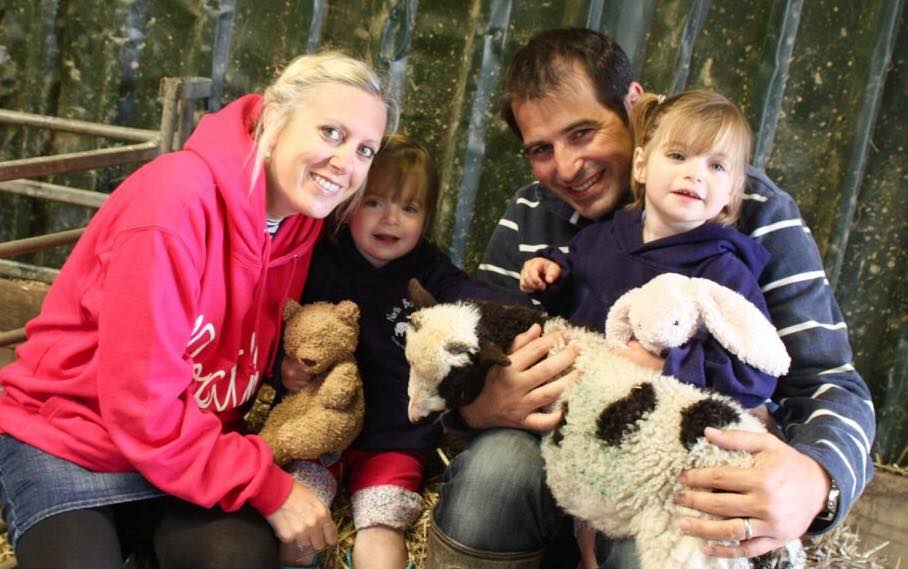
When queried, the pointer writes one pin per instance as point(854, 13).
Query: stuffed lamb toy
point(628, 432)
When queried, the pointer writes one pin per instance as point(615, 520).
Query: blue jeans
point(35, 485)
point(616, 553)
point(494, 498)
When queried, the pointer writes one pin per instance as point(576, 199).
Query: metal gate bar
point(177, 119)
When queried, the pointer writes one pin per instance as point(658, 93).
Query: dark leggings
point(179, 535)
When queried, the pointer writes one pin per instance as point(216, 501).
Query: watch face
point(832, 504)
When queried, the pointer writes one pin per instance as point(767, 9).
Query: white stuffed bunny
point(668, 310)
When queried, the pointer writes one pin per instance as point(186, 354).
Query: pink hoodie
point(154, 338)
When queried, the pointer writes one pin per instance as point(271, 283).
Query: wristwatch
point(832, 504)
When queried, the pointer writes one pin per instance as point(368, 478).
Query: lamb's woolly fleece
point(627, 490)
point(624, 489)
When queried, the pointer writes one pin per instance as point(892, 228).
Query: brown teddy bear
point(327, 414)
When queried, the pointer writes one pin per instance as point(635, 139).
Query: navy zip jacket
point(608, 258)
point(339, 272)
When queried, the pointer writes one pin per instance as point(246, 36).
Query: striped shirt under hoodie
point(824, 405)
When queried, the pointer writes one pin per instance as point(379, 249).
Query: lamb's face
point(440, 338)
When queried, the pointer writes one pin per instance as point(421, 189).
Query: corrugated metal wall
point(823, 82)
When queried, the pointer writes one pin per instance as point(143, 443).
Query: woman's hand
point(293, 376)
point(781, 495)
point(513, 396)
point(304, 519)
point(538, 273)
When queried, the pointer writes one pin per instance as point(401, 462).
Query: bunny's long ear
point(618, 331)
point(741, 328)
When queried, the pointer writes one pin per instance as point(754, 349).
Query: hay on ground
point(7, 559)
point(841, 549)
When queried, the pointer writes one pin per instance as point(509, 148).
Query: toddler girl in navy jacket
point(689, 170)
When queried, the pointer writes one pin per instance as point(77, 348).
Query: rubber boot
point(442, 552)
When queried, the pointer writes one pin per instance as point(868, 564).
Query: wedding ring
point(748, 531)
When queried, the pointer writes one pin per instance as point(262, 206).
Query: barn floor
point(880, 516)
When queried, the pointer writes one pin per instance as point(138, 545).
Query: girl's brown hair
point(407, 173)
point(698, 120)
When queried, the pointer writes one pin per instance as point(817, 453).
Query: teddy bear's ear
point(291, 307)
point(741, 328)
point(420, 296)
point(348, 310)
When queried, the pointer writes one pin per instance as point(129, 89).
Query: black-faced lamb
point(627, 432)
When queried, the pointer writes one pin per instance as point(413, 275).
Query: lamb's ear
point(420, 296)
point(291, 307)
point(492, 354)
point(618, 331)
point(741, 328)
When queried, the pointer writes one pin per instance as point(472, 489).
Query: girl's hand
point(538, 273)
point(641, 356)
point(304, 519)
point(293, 376)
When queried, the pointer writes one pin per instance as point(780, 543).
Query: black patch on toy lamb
point(621, 418)
point(702, 414)
point(557, 435)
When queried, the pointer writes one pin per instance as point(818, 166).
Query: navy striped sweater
point(824, 405)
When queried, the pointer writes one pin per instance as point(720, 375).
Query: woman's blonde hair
point(296, 83)
point(698, 120)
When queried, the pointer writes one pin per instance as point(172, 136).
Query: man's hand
point(538, 273)
point(304, 519)
point(293, 376)
point(513, 395)
point(781, 495)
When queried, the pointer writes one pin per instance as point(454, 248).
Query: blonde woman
point(121, 417)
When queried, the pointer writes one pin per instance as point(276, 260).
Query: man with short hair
point(566, 96)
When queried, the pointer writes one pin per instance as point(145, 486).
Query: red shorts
point(364, 469)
